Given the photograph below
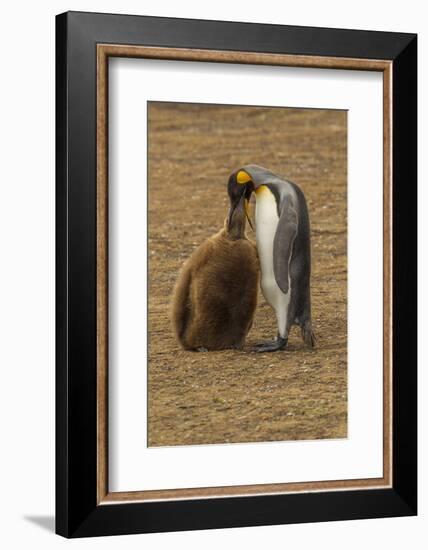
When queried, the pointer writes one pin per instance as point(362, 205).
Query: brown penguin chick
point(215, 296)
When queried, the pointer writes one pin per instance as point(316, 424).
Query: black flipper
point(286, 232)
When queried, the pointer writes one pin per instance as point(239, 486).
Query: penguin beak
point(249, 188)
point(247, 212)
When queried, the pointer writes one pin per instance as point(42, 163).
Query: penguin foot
point(275, 345)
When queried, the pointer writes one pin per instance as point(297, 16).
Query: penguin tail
point(308, 335)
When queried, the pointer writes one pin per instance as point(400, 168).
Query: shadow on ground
point(44, 522)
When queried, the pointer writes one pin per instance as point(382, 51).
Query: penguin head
point(239, 189)
point(250, 177)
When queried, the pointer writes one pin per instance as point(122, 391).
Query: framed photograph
point(236, 274)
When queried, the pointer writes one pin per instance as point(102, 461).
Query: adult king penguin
point(283, 243)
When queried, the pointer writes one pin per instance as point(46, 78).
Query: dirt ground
point(239, 396)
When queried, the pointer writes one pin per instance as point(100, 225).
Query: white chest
point(266, 224)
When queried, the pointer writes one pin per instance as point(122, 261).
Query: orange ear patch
point(242, 177)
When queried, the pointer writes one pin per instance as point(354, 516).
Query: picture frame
point(84, 44)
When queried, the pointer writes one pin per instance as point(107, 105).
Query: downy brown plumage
point(215, 296)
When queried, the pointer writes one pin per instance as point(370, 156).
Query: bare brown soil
point(240, 396)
